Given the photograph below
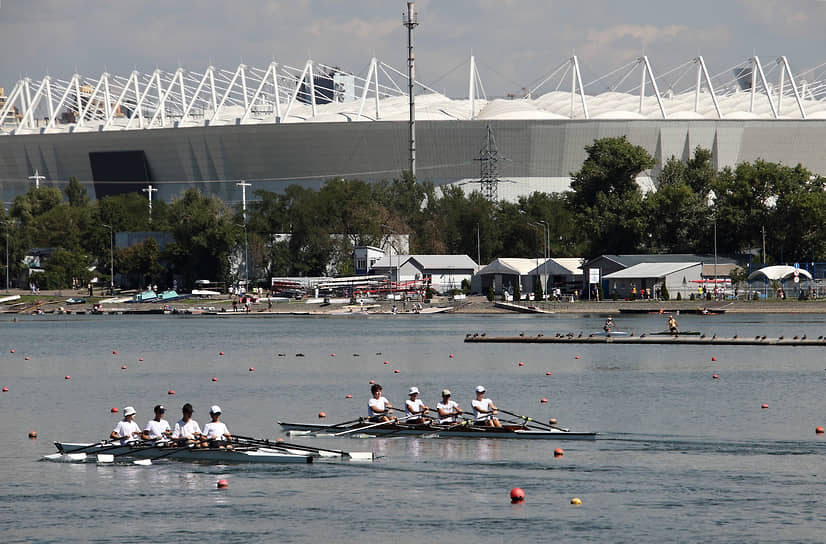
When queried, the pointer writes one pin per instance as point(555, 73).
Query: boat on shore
point(436, 431)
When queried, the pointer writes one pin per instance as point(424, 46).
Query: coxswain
point(449, 411)
point(157, 428)
point(126, 430)
point(485, 409)
point(378, 408)
point(187, 428)
point(216, 433)
point(672, 325)
point(414, 408)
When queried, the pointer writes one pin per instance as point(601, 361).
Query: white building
point(678, 278)
point(446, 272)
point(504, 273)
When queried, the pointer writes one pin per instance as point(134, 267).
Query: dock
point(650, 340)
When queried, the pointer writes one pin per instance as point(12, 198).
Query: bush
point(691, 296)
point(466, 286)
point(600, 294)
point(517, 294)
point(537, 290)
point(491, 294)
point(664, 293)
point(679, 296)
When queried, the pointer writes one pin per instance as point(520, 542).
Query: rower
point(378, 408)
point(415, 409)
point(157, 429)
point(485, 409)
point(216, 433)
point(187, 428)
point(449, 411)
point(672, 325)
point(126, 430)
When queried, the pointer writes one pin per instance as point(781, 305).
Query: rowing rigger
point(244, 450)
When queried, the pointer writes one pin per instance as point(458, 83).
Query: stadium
point(277, 125)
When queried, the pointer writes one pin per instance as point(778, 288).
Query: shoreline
point(52, 302)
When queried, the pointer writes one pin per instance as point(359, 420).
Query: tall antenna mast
point(489, 175)
point(411, 21)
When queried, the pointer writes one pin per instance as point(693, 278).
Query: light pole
point(111, 260)
point(243, 185)
point(7, 253)
point(547, 251)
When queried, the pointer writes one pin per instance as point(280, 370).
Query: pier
point(650, 340)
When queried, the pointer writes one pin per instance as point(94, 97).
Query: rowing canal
point(681, 457)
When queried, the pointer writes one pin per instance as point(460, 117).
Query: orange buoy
point(322, 415)
point(114, 410)
point(252, 369)
point(396, 371)
point(818, 430)
point(558, 452)
point(348, 396)
point(517, 495)
point(715, 376)
point(544, 400)
point(548, 373)
point(123, 367)
point(764, 406)
point(714, 358)
point(32, 434)
point(221, 353)
point(223, 484)
point(26, 358)
point(171, 392)
point(552, 421)
point(11, 351)
point(214, 379)
point(114, 352)
point(5, 390)
point(521, 363)
point(576, 501)
point(67, 377)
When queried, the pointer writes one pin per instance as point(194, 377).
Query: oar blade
point(361, 456)
point(142, 462)
point(105, 458)
point(76, 457)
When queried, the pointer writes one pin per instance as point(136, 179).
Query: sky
point(515, 42)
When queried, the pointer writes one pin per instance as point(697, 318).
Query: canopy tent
point(778, 272)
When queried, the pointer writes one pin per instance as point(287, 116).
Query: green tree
point(537, 290)
point(140, 264)
point(62, 267)
point(76, 194)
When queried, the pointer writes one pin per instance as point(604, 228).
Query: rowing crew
point(187, 430)
point(380, 410)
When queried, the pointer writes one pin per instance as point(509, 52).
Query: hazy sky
point(515, 41)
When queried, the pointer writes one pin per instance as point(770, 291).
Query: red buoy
point(67, 377)
point(123, 367)
point(714, 358)
point(114, 352)
point(517, 495)
point(114, 410)
point(140, 359)
point(715, 376)
point(818, 430)
point(171, 392)
point(371, 382)
point(764, 406)
point(348, 396)
point(322, 415)
point(396, 371)
point(332, 355)
point(544, 400)
point(558, 452)
point(221, 353)
point(548, 373)
point(5, 390)
point(521, 363)
point(32, 434)
point(214, 379)
point(576, 357)
point(451, 356)
point(387, 362)
point(279, 439)
point(552, 421)
point(11, 351)
point(223, 484)
point(252, 369)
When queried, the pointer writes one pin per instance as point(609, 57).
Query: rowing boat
point(438, 431)
point(67, 452)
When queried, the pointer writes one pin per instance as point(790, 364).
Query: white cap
point(215, 409)
point(129, 411)
point(413, 390)
point(480, 388)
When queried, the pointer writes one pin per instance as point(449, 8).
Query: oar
point(394, 420)
point(287, 445)
point(147, 462)
point(133, 447)
point(326, 428)
point(526, 418)
point(80, 454)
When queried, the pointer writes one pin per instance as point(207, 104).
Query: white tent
point(778, 272)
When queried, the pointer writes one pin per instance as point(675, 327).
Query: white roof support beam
point(576, 79)
point(702, 71)
point(161, 103)
point(474, 86)
point(244, 87)
point(297, 88)
point(28, 115)
point(311, 78)
point(85, 109)
point(15, 92)
point(188, 107)
point(119, 101)
point(162, 99)
point(373, 73)
point(220, 105)
point(756, 67)
point(785, 68)
point(27, 98)
point(646, 69)
point(142, 99)
point(62, 101)
point(248, 107)
point(276, 92)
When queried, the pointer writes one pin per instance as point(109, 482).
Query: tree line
point(605, 211)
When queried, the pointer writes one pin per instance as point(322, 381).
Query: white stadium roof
point(283, 94)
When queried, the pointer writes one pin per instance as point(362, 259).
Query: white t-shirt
point(186, 429)
point(450, 406)
point(156, 429)
point(413, 407)
point(215, 431)
point(376, 403)
point(127, 429)
point(484, 404)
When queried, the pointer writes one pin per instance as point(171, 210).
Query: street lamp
point(7, 252)
point(111, 259)
point(547, 250)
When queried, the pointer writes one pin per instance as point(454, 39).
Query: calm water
point(681, 457)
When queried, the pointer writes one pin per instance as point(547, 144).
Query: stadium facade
point(275, 126)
